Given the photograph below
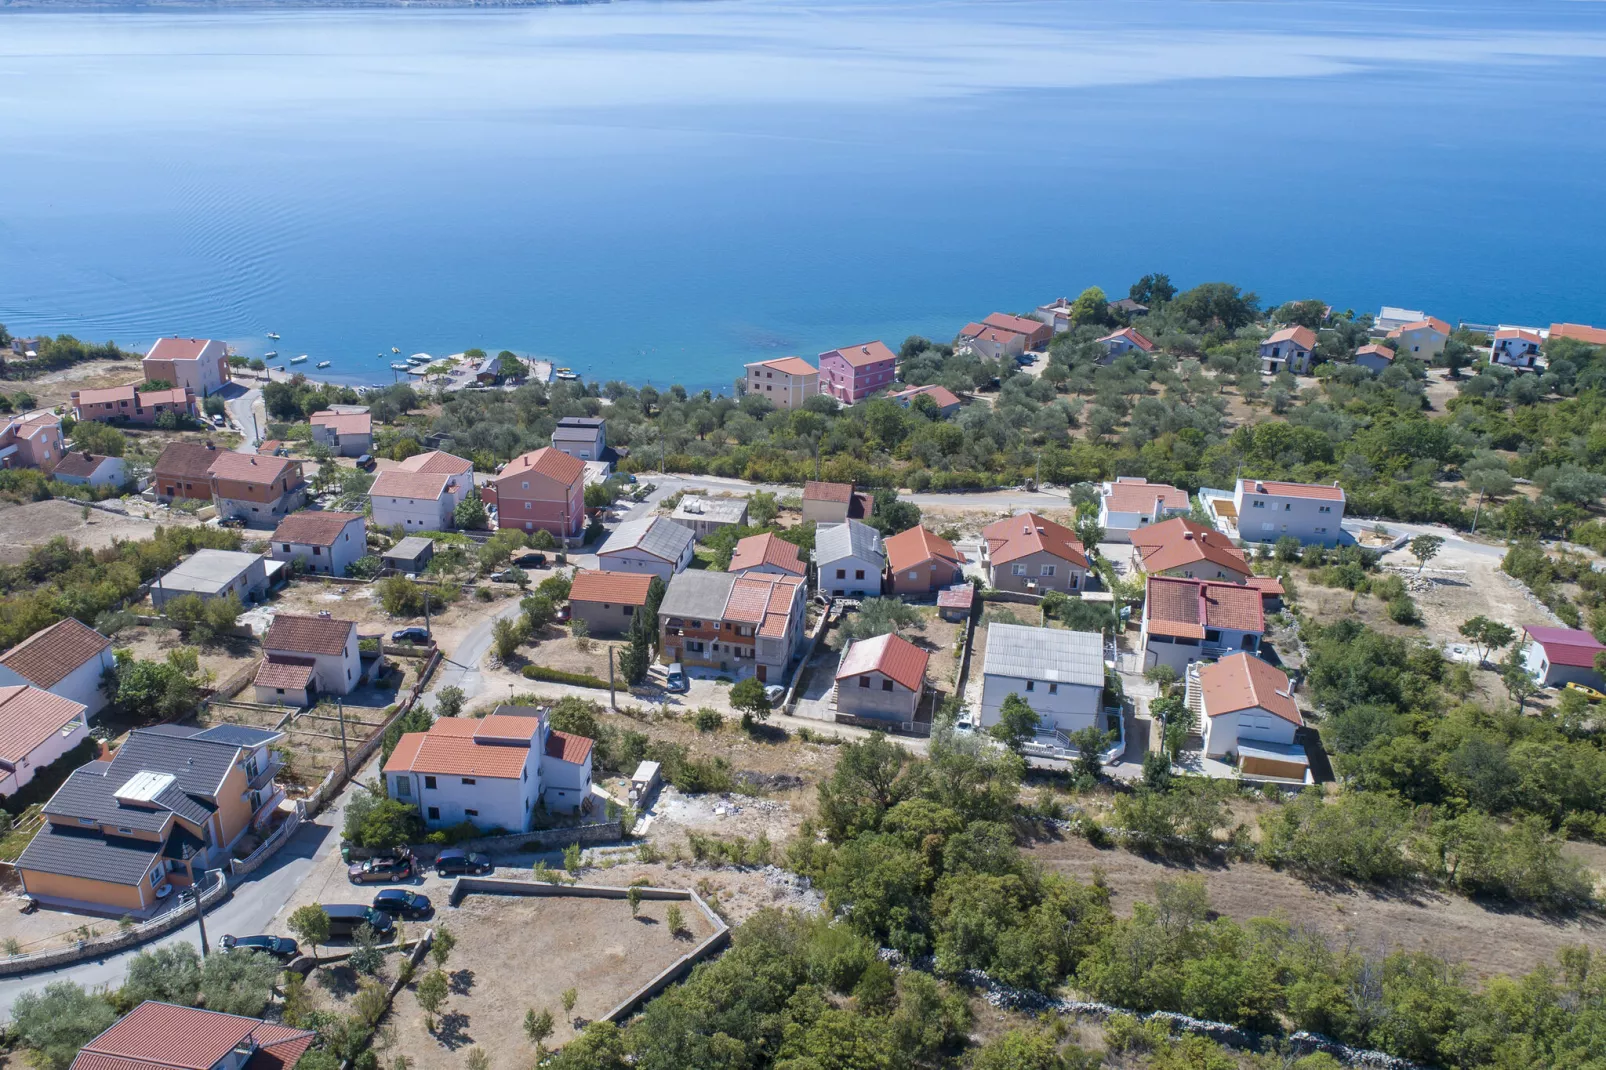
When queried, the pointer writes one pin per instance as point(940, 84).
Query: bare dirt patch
point(361, 604)
point(36, 523)
point(55, 388)
point(1487, 941)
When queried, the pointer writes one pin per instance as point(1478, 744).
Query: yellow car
point(1588, 692)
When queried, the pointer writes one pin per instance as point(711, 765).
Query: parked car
point(675, 679)
point(773, 693)
point(346, 918)
point(401, 903)
point(380, 870)
point(410, 635)
point(366, 463)
point(507, 575)
point(455, 860)
point(530, 560)
point(232, 522)
point(565, 611)
point(278, 946)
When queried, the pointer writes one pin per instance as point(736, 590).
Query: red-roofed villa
point(1559, 656)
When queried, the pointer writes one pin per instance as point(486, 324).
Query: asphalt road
point(242, 414)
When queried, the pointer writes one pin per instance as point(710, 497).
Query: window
point(429, 783)
point(156, 875)
point(914, 575)
point(471, 813)
point(317, 551)
point(858, 574)
point(1288, 507)
point(126, 832)
point(1212, 635)
point(1321, 531)
point(1257, 505)
point(1017, 570)
point(1046, 570)
point(434, 813)
point(467, 781)
point(864, 681)
point(525, 776)
point(886, 685)
point(526, 486)
point(286, 547)
point(1031, 685)
point(404, 787)
point(1324, 509)
point(842, 573)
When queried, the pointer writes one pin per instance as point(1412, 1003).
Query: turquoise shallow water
point(664, 191)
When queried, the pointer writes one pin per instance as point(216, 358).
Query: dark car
point(366, 462)
point(453, 860)
point(414, 634)
point(232, 522)
point(531, 560)
point(346, 918)
point(401, 903)
point(278, 946)
point(565, 611)
point(380, 870)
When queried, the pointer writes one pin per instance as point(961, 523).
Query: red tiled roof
point(567, 748)
point(766, 549)
point(313, 528)
point(186, 460)
point(1266, 585)
point(1567, 646)
point(1179, 541)
point(959, 596)
point(1324, 492)
point(436, 463)
point(178, 348)
point(108, 395)
point(450, 752)
point(814, 491)
point(917, 546)
point(29, 716)
point(80, 464)
point(284, 670)
point(344, 423)
point(161, 1035)
point(1015, 324)
point(890, 655)
point(308, 635)
point(1375, 350)
point(547, 462)
point(1028, 533)
point(1431, 322)
point(1303, 337)
point(396, 483)
point(1513, 332)
point(789, 365)
point(506, 728)
point(1242, 681)
point(991, 334)
point(944, 397)
point(1132, 335)
point(177, 395)
point(1141, 496)
point(860, 355)
point(249, 467)
point(763, 600)
point(614, 588)
point(50, 655)
point(1595, 336)
point(1176, 606)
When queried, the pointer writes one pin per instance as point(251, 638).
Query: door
point(763, 672)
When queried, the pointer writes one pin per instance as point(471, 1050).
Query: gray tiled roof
point(199, 764)
point(833, 542)
point(1051, 654)
point(116, 859)
point(92, 793)
point(655, 535)
point(238, 735)
point(697, 595)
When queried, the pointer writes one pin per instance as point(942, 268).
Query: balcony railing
point(266, 774)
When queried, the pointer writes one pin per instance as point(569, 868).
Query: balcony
point(265, 775)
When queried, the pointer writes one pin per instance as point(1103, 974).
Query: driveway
point(244, 415)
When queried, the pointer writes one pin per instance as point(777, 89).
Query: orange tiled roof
point(1176, 606)
point(764, 601)
point(860, 355)
point(107, 395)
point(288, 671)
point(313, 528)
point(890, 655)
point(1133, 335)
point(789, 365)
point(917, 546)
point(1325, 492)
point(1513, 332)
point(50, 655)
point(398, 483)
point(1015, 324)
point(308, 635)
point(614, 588)
point(1303, 337)
point(1595, 336)
point(1141, 496)
point(766, 549)
point(248, 467)
point(1243, 681)
point(547, 462)
point(815, 491)
point(1179, 541)
point(28, 717)
point(940, 394)
point(344, 423)
point(178, 348)
point(1374, 350)
point(186, 460)
point(1431, 322)
point(566, 747)
point(1028, 533)
point(165, 1036)
point(436, 463)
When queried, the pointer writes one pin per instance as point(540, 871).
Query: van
point(346, 918)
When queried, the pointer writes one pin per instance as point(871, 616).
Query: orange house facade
point(543, 490)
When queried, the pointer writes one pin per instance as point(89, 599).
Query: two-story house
point(1125, 340)
point(832, 503)
point(69, 659)
point(921, 563)
point(1423, 339)
point(735, 624)
point(1181, 547)
point(166, 1036)
point(849, 559)
point(654, 545)
point(184, 471)
point(608, 601)
point(1031, 554)
point(36, 728)
point(126, 404)
point(305, 657)
point(543, 490)
point(786, 382)
point(881, 679)
point(32, 440)
point(1060, 674)
point(1288, 350)
point(255, 488)
point(1194, 620)
point(1132, 502)
point(493, 772)
point(1516, 348)
point(346, 434)
point(199, 365)
point(122, 833)
point(584, 438)
point(853, 373)
point(422, 492)
point(1001, 336)
point(324, 542)
point(1267, 510)
point(1250, 714)
point(1375, 358)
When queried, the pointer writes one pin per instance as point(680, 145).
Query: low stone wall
point(513, 843)
point(281, 835)
point(669, 975)
point(1018, 597)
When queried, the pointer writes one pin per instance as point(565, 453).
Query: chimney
point(209, 445)
point(1188, 535)
point(88, 456)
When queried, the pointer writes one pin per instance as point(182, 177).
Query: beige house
point(881, 679)
point(785, 383)
point(1423, 339)
point(1031, 554)
point(608, 601)
point(834, 503)
point(1181, 547)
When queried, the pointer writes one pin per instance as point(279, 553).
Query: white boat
point(273, 336)
point(323, 364)
point(393, 349)
point(271, 354)
point(400, 367)
point(298, 360)
point(567, 376)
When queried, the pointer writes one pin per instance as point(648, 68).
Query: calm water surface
point(667, 190)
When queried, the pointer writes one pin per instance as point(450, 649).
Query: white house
point(200, 365)
point(1559, 656)
point(849, 559)
point(68, 659)
point(325, 542)
point(492, 772)
point(654, 544)
point(1267, 510)
point(90, 470)
point(1249, 712)
point(1188, 620)
point(36, 728)
point(421, 493)
point(305, 657)
point(1122, 341)
point(1132, 502)
point(584, 438)
point(1517, 348)
point(1289, 349)
point(348, 434)
point(1059, 673)
point(1375, 358)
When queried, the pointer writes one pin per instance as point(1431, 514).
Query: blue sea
point(663, 191)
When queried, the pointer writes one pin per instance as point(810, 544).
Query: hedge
point(558, 676)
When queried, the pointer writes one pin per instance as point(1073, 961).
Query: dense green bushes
point(559, 676)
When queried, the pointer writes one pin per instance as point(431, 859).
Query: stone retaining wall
point(121, 940)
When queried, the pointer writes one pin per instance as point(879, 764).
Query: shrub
point(708, 720)
point(559, 676)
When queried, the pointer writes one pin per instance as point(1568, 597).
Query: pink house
point(33, 440)
point(540, 490)
point(853, 373)
point(125, 403)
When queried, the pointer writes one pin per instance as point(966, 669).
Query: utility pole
point(345, 755)
point(613, 702)
point(200, 916)
point(1477, 511)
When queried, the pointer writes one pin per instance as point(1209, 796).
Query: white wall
point(857, 700)
point(1279, 515)
point(412, 514)
point(1068, 708)
point(500, 802)
point(641, 563)
point(48, 751)
point(850, 587)
point(1223, 731)
point(565, 785)
point(351, 544)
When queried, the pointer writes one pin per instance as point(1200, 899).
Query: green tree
point(1091, 308)
point(538, 1027)
point(571, 995)
point(95, 437)
point(366, 955)
point(880, 616)
point(240, 982)
point(55, 1022)
point(1017, 722)
point(449, 701)
point(1088, 531)
point(674, 920)
point(1153, 289)
point(170, 974)
point(572, 860)
point(1425, 548)
point(470, 513)
point(440, 949)
point(748, 697)
point(1487, 635)
point(762, 508)
point(388, 823)
point(1089, 743)
point(1020, 1049)
point(431, 992)
point(506, 635)
point(633, 897)
point(1518, 680)
point(310, 924)
point(156, 690)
